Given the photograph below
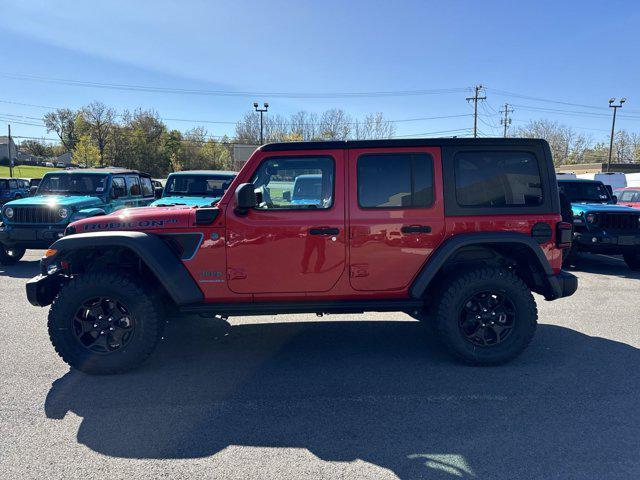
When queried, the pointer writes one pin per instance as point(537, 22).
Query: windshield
point(585, 192)
point(4, 185)
point(197, 185)
point(83, 184)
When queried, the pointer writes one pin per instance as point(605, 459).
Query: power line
point(226, 93)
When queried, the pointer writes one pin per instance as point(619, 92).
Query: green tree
point(62, 121)
point(86, 153)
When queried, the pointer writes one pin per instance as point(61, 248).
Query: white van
point(615, 179)
point(633, 179)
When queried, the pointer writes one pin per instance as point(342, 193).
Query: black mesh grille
point(38, 215)
point(618, 221)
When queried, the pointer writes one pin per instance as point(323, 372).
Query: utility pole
point(506, 121)
point(613, 125)
point(9, 150)
point(261, 111)
point(475, 99)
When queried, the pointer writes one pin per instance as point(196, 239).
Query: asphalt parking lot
point(362, 396)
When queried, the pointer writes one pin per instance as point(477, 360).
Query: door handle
point(416, 229)
point(323, 231)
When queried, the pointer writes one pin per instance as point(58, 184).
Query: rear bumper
point(563, 284)
point(30, 237)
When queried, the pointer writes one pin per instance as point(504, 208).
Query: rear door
point(396, 214)
point(134, 192)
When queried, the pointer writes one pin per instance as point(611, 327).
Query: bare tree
point(62, 121)
point(372, 127)
point(335, 124)
point(100, 121)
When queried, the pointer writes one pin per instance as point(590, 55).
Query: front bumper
point(42, 289)
point(603, 242)
point(30, 236)
point(562, 284)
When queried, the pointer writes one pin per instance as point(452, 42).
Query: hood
point(144, 218)
point(79, 201)
point(184, 200)
point(579, 208)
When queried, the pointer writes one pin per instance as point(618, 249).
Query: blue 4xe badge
point(124, 225)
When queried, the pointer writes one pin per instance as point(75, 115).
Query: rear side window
point(133, 186)
point(403, 180)
point(147, 187)
point(497, 179)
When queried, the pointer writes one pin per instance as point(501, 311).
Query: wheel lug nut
point(111, 329)
point(101, 332)
point(95, 325)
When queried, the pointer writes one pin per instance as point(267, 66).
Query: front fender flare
point(151, 249)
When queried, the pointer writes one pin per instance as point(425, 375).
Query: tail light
point(564, 234)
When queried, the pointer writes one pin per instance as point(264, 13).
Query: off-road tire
point(632, 260)
point(139, 301)
point(450, 304)
point(6, 258)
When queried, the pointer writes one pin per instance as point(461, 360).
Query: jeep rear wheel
point(632, 260)
point(486, 316)
point(104, 323)
point(10, 255)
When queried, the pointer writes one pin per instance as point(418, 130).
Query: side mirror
point(245, 196)
point(157, 192)
point(614, 198)
point(32, 191)
point(286, 195)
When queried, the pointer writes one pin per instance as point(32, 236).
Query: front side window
point(497, 179)
point(585, 192)
point(403, 180)
point(629, 196)
point(79, 184)
point(13, 184)
point(295, 183)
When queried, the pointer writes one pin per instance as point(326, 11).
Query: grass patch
point(26, 171)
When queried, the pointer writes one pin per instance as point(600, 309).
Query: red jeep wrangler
point(457, 232)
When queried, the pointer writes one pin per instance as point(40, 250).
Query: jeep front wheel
point(10, 255)
point(104, 323)
point(486, 316)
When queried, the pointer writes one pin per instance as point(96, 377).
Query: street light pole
point(261, 111)
point(613, 126)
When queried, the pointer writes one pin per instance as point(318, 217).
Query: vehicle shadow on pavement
point(378, 391)
point(22, 269)
point(602, 265)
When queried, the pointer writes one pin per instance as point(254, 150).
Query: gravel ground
point(345, 396)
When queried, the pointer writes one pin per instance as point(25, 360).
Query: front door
point(396, 215)
point(294, 241)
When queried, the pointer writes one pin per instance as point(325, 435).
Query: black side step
point(274, 308)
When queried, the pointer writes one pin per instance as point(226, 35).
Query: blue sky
point(581, 52)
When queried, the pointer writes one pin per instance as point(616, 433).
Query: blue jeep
point(599, 225)
point(195, 188)
point(12, 189)
point(64, 197)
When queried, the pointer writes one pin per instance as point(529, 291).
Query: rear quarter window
point(497, 179)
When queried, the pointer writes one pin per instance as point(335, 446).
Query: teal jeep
point(599, 225)
point(64, 197)
point(198, 188)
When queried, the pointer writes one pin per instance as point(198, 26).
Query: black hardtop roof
point(102, 171)
point(401, 142)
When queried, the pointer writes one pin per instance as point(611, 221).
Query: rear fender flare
point(446, 251)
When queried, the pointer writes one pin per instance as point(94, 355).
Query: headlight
point(591, 218)
point(8, 212)
point(63, 212)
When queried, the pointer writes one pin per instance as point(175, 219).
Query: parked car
point(12, 189)
point(629, 196)
point(601, 226)
point(195, 187)
point(63, 197)
point(477, 221)
point(565, 175)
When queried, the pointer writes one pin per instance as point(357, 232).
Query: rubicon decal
point(125, 225)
